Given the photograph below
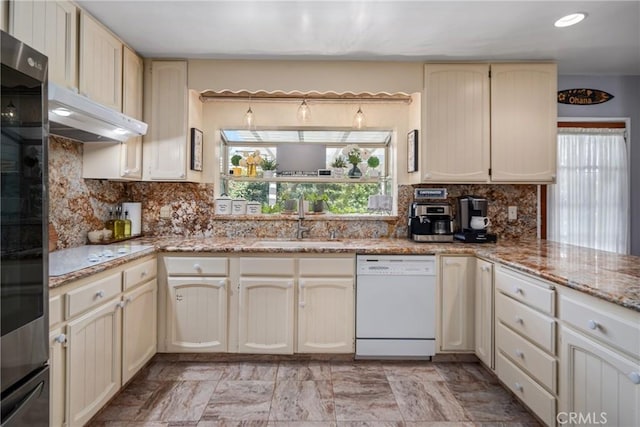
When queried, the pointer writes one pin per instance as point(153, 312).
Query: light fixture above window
point(569, 20)
point(359, 120)
point(304, 112)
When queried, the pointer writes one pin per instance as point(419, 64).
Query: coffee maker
point(430, 222)
point(469, 207)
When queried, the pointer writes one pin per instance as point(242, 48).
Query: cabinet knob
point(427, 175)
point(100, 294)
point(592, 324)
point(519, 319)
point(517, 290)
point(519, 354)
point(197, 267)
point(485, 268)
point(634, 377)
point(120, 305)
point(126, 172)
point(128, 300)
point(62, 339)
point(143, 274)
point(518, 387)
point(182, 175)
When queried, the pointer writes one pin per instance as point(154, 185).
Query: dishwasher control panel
point(396, 265)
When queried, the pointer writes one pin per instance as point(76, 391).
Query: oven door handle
point(24, 405)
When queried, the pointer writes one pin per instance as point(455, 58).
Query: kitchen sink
point(298, 244)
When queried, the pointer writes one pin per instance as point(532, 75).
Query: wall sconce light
point(304, 112)
point(359, 120)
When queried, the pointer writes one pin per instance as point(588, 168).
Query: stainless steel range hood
point(79, 118)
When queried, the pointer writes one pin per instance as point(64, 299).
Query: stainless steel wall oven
point(24, 271)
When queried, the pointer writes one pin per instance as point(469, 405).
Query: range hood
point(79, 118)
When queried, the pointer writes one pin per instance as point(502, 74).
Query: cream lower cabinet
point(139, 322)
point(326, 305)
point(197, 316)
point(93, 361)
point(484, 312)
point(599, 362)
point(57, 343)
point(457, 301)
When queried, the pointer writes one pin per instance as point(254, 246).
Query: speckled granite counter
point(615, 278)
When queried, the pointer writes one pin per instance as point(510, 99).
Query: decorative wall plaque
point(583, 96)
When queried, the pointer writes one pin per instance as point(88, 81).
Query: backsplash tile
point(79, 205)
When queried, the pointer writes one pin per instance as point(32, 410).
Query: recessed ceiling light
point(569, 20)
point(61, 112)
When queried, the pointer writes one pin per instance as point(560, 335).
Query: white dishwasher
point(395, 306)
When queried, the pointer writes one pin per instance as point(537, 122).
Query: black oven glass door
point(22, 200)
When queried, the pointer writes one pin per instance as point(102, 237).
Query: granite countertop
point(606, 275)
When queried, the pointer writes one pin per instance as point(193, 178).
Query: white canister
point(223, 205)
point(254, 208)
point(239, 206)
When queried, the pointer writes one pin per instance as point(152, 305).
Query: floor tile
point(227, 423)
point(249, 371)
point(358, 371)
point(302, 401)
point(127, 405)
point(410, 371)
point(304, 371)
point(185, 401)
point(427, 401)
point(371, 424)
point(365, 401)
point(244, 400)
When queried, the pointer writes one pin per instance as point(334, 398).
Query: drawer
point(541, 402)
point(527, 357)
point(528, 322)
point(196, 266)
point(250, 266)
point(140, 273)
point(536, 293)
point(92, 294)
point(614, 325)
point(325, 267)
point(55, 311)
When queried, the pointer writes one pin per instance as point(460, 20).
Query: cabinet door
point(325, 315)
point(457, 307)
point(265, 317)
point(197, 314)
point(132, 72)
point(167, 139)
point(484, 312)
point(455, 147)
point(596, 381)
point(139, 337)
point(57, 343)
point(51, 28)
point(94, 358)
point(100, 64)
point(523, 122)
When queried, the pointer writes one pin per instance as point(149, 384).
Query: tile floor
point(313, 393)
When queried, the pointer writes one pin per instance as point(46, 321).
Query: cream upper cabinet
point(50, 27)
point(100, 63)
point(93, 365)
point(523, 122)
point(132, 76)
point(170, 110)
point(489, 123)
point(456, 132)
point(457, 303)
point(484, 311)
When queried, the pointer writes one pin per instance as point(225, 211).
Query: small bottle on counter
point(127, 224)
point(118, 226)
point(108, 224)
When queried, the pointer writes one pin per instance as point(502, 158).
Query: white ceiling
point(607, 42)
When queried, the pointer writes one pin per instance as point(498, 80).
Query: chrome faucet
point(301, 230)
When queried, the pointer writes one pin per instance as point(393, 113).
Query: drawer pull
point(592, 324)
point(197, 267)
point(128, 300)
point(485, 268)
point(519, 320)
point(143, 274)
point(61, 339)
point(518, 387)
point(634, 377)
point(120, 305)
point(517, 290)
point(519, 354)
point(100, 294)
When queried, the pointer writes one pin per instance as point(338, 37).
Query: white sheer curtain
point(589, 204)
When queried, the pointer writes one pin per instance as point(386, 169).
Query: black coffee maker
point(430, 222)
point(469, 207)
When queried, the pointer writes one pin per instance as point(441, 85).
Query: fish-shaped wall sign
point(583, 96)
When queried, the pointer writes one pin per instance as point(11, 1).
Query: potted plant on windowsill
point(338, 165)
point(269, 167)
point(373, 162)
point(318, 201)
point(353, 156)
point(235, 161)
